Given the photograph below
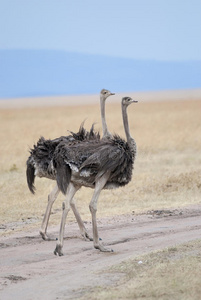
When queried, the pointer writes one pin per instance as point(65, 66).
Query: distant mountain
point(47, 72)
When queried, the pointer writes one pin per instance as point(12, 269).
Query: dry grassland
point(173, 273)
point(167, 170)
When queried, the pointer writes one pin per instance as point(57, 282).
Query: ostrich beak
point(134, 101)
point(111, 94)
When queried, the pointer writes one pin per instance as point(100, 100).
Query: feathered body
point(82, 162)
point(103, 164)
point(39, 162)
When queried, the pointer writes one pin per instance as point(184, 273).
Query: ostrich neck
point(126, 126)
point(104, 125)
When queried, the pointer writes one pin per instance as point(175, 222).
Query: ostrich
point(104, 164)
point(39, 164)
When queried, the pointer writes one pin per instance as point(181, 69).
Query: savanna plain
point(166, 178)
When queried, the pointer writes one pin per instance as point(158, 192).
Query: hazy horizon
point(65, 47)
point(29, 73)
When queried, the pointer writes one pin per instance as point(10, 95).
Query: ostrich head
point(105, 94)
point(126, 101)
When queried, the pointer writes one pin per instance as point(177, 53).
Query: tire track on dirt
point(29, 269)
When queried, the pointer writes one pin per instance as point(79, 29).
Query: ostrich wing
point(113, 156)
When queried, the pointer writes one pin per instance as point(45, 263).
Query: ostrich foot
point(102, 248)
point(86, 236)
point(58, 250)
point(45, 237)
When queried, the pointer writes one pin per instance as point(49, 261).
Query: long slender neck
point(131, 142)
point(106, 133)
point(125, 122)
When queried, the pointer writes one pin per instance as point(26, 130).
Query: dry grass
point(167, 169)
point(173, 273)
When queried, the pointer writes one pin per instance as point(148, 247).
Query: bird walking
point(103, 164)
point(40, 164)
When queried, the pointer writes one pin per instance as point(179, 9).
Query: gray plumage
point(39, 162)
point(103, 164)
point(87, 159)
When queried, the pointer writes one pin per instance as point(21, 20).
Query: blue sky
point(139, 29)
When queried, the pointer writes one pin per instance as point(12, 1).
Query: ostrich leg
point(51, 198)
point(93, 208)
point(83, 230)
point(72, 189)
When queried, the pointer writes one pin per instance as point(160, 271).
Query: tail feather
point(30, 172)
point(63, 177)
point(93, 134)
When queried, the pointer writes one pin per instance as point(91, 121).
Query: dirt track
point(29, 269)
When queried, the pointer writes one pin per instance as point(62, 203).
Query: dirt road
point(29, 270)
